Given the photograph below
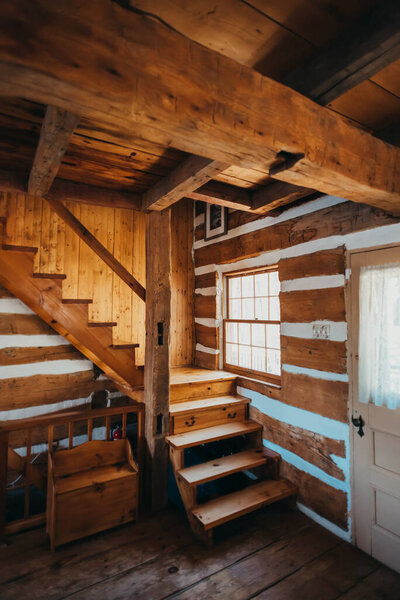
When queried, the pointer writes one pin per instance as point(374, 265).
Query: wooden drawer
point(207, 418)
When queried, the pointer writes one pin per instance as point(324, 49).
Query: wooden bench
point(91, 488)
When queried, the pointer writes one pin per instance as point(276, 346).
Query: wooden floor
point(273, 554)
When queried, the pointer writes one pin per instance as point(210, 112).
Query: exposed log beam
point(187, 177)
point(157, 358)
point(277, 194)
point(217, 192)
point(97, 247)
point(192, 98)
point(57, 129)
point(62, 190)
point(363, 49)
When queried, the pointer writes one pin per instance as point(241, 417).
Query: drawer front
point(208, 418)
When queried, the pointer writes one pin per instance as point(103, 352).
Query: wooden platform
point(274, 554)
point(180, 375)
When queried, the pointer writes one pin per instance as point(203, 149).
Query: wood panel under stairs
point(58, 253)
point(44, 296)
point(205, 409)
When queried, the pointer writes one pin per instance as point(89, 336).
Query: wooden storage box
point(91, 488)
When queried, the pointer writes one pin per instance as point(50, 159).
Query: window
point(252, 324)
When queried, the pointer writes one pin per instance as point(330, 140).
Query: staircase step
point(76, 301)
point(49, 275)
point(99, 324)
point(122, 346)
point(220, 467)
point(188, 439)
point(223, 509)
point(20, 248)
point(201, 404)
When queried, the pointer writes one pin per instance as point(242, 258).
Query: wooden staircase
point(221, 414)
point(31, 263)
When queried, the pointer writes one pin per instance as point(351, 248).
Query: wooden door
point(376, 454)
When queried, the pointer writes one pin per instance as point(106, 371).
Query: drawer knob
point(191, 422)
point(232, 415)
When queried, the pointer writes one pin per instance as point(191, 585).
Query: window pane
point(234, 287)
point(248, 286)
point(231, 332)
point(231, 354)
point(261, 284)
point(273, 362)
point(261, 309)
point(244, 333)
point(258, 335)
point(258, 359)
point(245, 357)
point(273, 337)
point(248, 308)
point(235, 309)
point(274, 283)
point(274, 309)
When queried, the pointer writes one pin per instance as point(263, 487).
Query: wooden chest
point(91, 488)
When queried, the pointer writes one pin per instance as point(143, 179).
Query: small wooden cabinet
point(91, 488)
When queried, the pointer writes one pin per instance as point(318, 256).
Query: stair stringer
point(44, 297)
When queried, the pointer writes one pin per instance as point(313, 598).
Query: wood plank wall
point(182, 282)
point(306, 420)
point(39, 370)
point(31, 223)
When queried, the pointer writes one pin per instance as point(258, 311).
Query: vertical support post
point(3, 483)
point(157, 356)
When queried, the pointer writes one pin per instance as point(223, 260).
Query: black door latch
point(358, 423)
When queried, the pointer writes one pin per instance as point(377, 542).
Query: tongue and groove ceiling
point(273, 37)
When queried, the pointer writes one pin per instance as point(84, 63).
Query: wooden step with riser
point(222, 467)
point(200, 389)
point(229, 507)
point(189, 439)
point(45, 298)
point(230, 409)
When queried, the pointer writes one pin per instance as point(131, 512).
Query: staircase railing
point(66, 429)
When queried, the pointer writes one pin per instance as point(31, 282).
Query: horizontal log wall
point(306, 419)
point(39, 370)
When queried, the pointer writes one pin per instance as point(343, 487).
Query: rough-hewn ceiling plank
point(217, 192)
point(363, 49)
point(13, 181)
point(56, 132)
point(187, 177)
point(191, 98)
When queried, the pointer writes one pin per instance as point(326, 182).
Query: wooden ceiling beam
point(277, 194)
point(56, 132)
point(184, 179)
point(62, 190)
point(363, 49)
point(192, 98)
point(224, 194)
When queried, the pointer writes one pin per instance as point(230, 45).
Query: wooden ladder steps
point(180, 441)
point(203, 404)
point(223, 509)
point(221, 467)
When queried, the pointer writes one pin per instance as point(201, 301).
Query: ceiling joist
point(57, 129)
point(187, 177)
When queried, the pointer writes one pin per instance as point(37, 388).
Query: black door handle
point(358, 423)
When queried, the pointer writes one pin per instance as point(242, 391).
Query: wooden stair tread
point(180, 441)
point(200, 404)
point(220, 467)
point(223, 509)
point(124, 345)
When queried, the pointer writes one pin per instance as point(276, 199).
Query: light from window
point(252, 326)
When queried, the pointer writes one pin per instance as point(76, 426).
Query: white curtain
point(379, 336)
